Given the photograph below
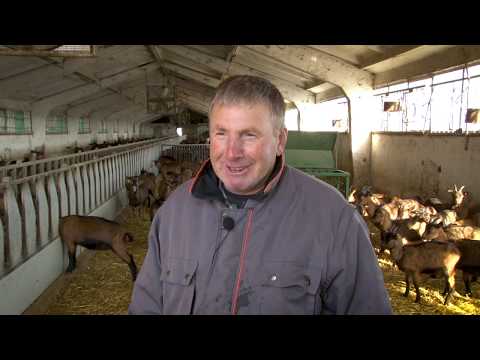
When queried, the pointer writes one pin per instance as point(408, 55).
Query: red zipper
point(246, 238)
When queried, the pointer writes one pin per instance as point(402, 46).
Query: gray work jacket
point(301, 249)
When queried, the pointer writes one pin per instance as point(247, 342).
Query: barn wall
point(18, 145)
point(425, 165)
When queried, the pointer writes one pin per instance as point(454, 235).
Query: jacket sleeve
point(147, 291)
point(354, 282)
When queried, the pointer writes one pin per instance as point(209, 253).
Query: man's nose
point(234, 148)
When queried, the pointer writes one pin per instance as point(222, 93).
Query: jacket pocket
point(178, 284)
point(288, 288)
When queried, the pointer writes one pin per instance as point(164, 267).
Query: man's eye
point(251, 135)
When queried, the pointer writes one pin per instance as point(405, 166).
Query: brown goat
point(137, 193)
point(469, 262)
point(95, 233)
point(425, 258)
point(452, 232)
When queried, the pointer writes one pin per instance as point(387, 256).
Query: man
point(251, 235)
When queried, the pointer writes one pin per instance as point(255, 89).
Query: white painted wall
point(55, 144)
point(425, 165)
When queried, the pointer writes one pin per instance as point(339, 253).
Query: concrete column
point(362, 108)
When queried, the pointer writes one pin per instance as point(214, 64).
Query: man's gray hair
point(251, 90)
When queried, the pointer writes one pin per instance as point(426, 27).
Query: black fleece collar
point(206, 185)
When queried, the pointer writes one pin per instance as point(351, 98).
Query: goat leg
point(72, 262)
point(133, 268)
point(407, 281)
point(451, 283)
point(467, 280)
point(417, 288)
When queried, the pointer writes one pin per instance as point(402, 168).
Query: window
point(435, 104)
point(331, 115)
point(57, 124)
point(15, 122)
point(84, 126)
point(103, 128)
point(3, 121)
point(116, 126)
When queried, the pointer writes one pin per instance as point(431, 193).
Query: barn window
point(331, 115)
point(103, 127)
point(435, 104)
point(15, 122)
point(57, 124)
point(84, 125)
point(116, 126)
point(3, 121)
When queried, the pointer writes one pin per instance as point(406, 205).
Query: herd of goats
point(426, 237)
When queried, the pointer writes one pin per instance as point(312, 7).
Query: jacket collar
point(205, 183)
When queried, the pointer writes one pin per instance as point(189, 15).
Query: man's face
point(244, 146)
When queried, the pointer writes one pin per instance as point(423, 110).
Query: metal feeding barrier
point(312, 152)
point(187, 152)
point(32, 204)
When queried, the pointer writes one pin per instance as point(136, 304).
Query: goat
point(95, 233)
point(425, 258)
point(138, 195)
point(466, 213)
point(452, 232)
point(408, 230)
point(469, 262)
point(444, 217)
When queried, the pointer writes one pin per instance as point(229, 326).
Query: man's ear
point(282, 141)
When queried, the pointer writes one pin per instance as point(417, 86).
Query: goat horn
point(455, 187)
point(461, 188)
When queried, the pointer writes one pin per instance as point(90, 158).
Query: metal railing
point(187, 152)
point(24, 169)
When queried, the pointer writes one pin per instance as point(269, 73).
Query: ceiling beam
point(92, 103)
point(194, 86)
point(266, 64)
point(230, 57)
point(325, 67)
point(288, 90)
point(447, 57)
point(197, 76)
point(212, 62)
point(190, 102)
point(85, 90)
